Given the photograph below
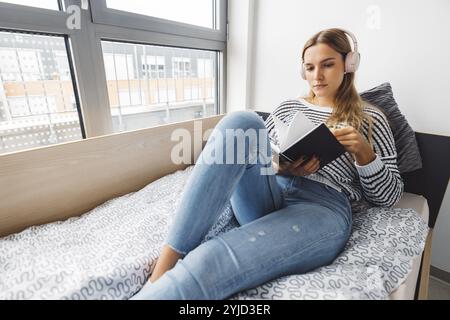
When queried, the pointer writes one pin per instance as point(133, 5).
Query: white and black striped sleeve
point(381, 182)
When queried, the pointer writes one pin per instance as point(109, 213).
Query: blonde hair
point(348, 105)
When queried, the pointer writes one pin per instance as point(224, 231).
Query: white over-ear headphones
point(352, 58)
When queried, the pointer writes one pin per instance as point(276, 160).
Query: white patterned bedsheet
point(109, 252)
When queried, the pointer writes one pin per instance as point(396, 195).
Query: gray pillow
point(408, 155)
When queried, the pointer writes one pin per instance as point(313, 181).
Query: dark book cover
point(319, 142)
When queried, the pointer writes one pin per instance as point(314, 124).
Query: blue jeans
point(288, 225)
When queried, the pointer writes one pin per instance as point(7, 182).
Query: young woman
point(291, 222)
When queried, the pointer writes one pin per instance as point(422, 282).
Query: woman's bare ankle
point(165, 262)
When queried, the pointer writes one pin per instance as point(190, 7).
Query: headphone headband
point(352, 36)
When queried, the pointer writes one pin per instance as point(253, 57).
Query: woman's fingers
point(316, 167)
point(299, 168)
point(301, 162)
point(343, 131)
point(313, 169)
point(311, 164)
point(297, 163)
point(350, 137)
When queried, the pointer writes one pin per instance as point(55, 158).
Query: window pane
point(196, 12)
point(37, 100)
point(45, 4)
point(154, 85)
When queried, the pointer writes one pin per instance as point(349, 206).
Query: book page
point(275, 148)
point(299, 127)
point(282, 131)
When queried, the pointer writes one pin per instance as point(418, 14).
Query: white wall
point(406, 43)
point(411, 50)
point(239, 54)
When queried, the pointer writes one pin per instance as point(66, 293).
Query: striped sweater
point(378, 182)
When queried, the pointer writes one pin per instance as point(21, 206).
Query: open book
point(303, 138)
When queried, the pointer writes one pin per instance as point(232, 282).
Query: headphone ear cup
point(302, 72)
point(352, 61)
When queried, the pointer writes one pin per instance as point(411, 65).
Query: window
point(45, 4)
point(181, 67)
point(36, 92)
point(62, 64)
point(204, 68)
point(199, 19)
point(135, 64)
point(153, 66)
point(195, 12)
point(119, 66)
point(141, 92)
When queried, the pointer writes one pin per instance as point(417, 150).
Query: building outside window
point(127, 65)
point(139, 94)
point(36, 92)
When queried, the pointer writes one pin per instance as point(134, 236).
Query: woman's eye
point(325, 65)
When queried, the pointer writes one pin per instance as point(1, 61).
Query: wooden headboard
point(57, 182)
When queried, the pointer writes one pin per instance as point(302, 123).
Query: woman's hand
point(298, 168)
point(355, 144)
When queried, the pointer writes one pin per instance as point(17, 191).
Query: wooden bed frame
point(57, 182)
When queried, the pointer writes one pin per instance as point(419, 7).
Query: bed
point(406, 291)
point(47, 188)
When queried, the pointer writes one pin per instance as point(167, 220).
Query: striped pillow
point(408, 155)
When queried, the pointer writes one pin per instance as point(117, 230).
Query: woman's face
point(323, 66)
